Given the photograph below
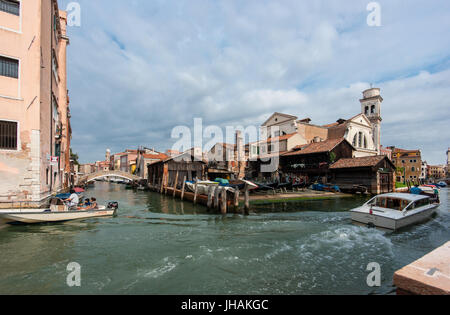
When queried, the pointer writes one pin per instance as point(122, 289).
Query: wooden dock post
point(236, 199)
point(182, 189)
point(216, 197)
point(161, 187)
point(175, 185)
point(166, 183)
point(223, 203)
point(195, 193)
point(210, 196)
point(247, 200)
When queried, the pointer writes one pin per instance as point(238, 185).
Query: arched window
point(355, 140)
point(372, 109)
point(360, 139)
point(365, 142)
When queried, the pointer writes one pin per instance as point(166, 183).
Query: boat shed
point(374, 173)
point(173, 170)
point(314, 159)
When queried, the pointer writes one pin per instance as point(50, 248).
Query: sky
point(136, 69)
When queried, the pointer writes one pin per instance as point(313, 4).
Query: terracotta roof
point(340, 122)
point(179, 156)
point(299, 147)
point(281, 138)
point(160, 156)
point(331, 125)
point(173, 152)
point(366, 161)
point(317, 147)
point(270, 155)
point(397, 150)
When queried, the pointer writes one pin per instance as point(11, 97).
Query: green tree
point(74, 157)
point(332, 157)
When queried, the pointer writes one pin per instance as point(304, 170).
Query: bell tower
point(448, 157)
point(371, 107)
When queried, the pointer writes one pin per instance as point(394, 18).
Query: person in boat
point(94, 204)
point(86, 205)
point(73, 200)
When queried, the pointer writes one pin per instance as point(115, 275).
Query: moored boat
point(58, 212)
point(322, 187)
point(394, 210)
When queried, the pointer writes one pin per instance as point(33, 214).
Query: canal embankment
point(242, 201)
point(429, 275)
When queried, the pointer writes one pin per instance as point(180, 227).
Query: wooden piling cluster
point(164, 177)
point(218, 197)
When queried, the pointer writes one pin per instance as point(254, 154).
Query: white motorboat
point(395, 210)
point(58, 212)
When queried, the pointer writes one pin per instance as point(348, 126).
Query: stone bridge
point(93, 176)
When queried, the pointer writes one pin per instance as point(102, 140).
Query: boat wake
point(166, 267)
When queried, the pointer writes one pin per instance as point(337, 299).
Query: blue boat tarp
point(222, 182)
point(62, 196)
point(416, 191)
point(65, 196)
point(321, 187)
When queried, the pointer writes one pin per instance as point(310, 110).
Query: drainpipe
point(51, 93)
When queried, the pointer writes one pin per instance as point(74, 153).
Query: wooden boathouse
point(173, 171)
point(169, 176)
point(313, 160)
point(375, 173)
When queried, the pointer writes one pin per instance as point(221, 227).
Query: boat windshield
point(389, 203)
point(419, 203)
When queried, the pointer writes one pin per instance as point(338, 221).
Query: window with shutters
point(10, 6)
point(8, 135)
point(9, 67)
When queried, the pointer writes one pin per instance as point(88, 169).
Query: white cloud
point(136, 69)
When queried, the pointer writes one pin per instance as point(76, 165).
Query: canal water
point(158, 245)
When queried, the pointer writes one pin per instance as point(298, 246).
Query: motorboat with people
point(59, 211)
point(395, 210)
point(442, 184)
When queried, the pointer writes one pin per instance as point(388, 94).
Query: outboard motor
point(113, 205)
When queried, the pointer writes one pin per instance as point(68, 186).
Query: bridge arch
point(101, 174)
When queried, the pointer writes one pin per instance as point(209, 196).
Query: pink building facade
point(34, 108)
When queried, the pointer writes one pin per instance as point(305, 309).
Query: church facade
point(363, 130)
